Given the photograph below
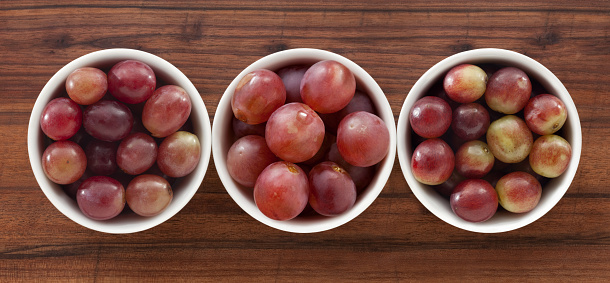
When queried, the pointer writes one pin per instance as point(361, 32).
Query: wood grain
point(396, 238)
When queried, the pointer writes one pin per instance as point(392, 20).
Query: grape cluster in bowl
point(119, 140)
point(309, 120)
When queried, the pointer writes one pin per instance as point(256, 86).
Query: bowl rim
point(201, 125)
point(485, 55)
point(275, 61)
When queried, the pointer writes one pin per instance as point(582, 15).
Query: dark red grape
point(294, 132)
point(331, 189)
point(430, 117)
point(258, 94)
point(179, 154)
point(148, 195)
point(292, 76)
point(64, 162)
point(363, 139)
point(474, 200)
point(470, 121)
point(247, 158)
point(131, 81)
point(166, 110)
point(101, 197)
point(101, 157)
point(108, 120)
point(328, 86)
point(61, 118)
point(136, 153)
point(281, 191)
point(86, 85)
point(432, 162)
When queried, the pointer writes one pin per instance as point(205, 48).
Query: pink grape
point(331, 189)
point(101, 157)
point(430, 117)
point(281, 191)
point(166, 110)
point(148, 195)
point(101, 197)
point(328, 86)
point(131, 81)
point(136, 153)
point(108, 120)
point(179, 154)
point(64, 162)
point(294, 132)
point(86, 85)
point(432, 162)
point(61, 118)
point(247, 158)
point(292, 76)
point(363, 139)
point(257, 95)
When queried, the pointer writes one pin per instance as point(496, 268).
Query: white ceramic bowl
point(552, 192)
point(222, 139)
point(185, 188)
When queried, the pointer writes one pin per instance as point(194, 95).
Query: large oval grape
point(247, 158)
point(136, 153)
point(363, 139)
point(101, 197)
point(281, 191)
point(166, 110)
point(86, 85)
point(328, 86)
point(131, 81)
point(108, 120)
point(257, 95)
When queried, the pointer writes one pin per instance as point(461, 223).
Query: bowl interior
point(223, 138)
point(552, 191)
point(183, 190)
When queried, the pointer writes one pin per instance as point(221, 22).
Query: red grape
point(474, 200)
point(508, 90)
point(166, 110)
point(470, 121)
point(148, 195)
point(331, 189)
point(292, 76)
point(550, 156)
point(430, 117)
point(247, 158)
point(294, 132)
point(101, 197)
point(61, 118)
point(545, 114)
point(64, 162)
point(131, 81)
point(241, 129)
point(363, 139)
point(179, 154)
point(86, 85)
point(465, 83)
point(108, 120)
point(474, 160)
point(432, 162)
point(136, 153)
point(281, 191)
point(101, 157)
point(328, 86)
point(257, 95)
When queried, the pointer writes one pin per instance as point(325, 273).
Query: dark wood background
point(396, 238)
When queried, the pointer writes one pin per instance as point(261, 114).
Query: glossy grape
point(108, 120)
point(474, 200)
point(292, 76)
point(363, 139)
point(148, 195)
point(430, 117)
point(281, 191)
point(64, 162)
point(432, 162)
point(545, 114)
point(470, 121)
point(465, 83)
point(131, 81)
point(101, 197)
point(328, 86)
point(331, 189)
point(508, 90)
point(136, 153)
point(294, 132)
point(166, 110)
point(257, 95)
point(474, 160)
point(179, 154)
point(101, 157)
point(61, 118)
point(86, 85)
point(247, 158)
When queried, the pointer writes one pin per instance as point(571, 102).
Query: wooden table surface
point(396, 238)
